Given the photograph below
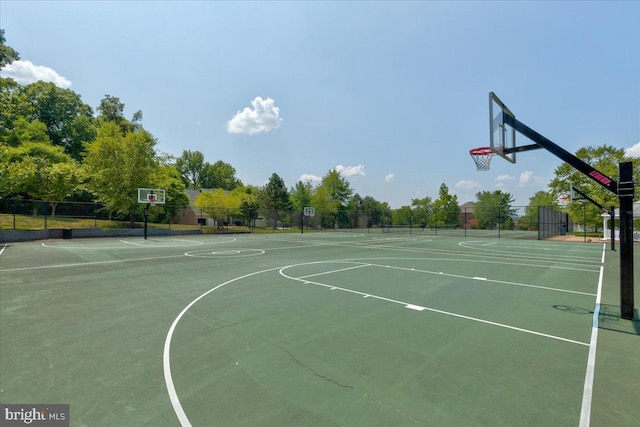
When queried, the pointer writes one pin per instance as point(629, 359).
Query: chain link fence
point(527, 222)
point(26, 214)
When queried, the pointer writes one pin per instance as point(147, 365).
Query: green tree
point(165, 176)
point(322, 203)
point(196, 173)
point(40, 171)
point(422, 211)
point(117, 164)
point(402, 216)
point(69, 121)
point(377, 212)
point(358, 218)
point(300, 195)
point(8, 87)
point(25, 131)
point(446, 209)
point(7, 53)
point(249, 196)
point(218, 204)
point(541, 198)
point(9, 101)
point(274, 199)
point(274, 195)
point(220, 175)
point(494, 209)
point(190, 165)
point(338, 188)
point(332, 197)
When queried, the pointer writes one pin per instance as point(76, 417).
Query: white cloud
point(633, 151)
point(350, 170)
point(527, 179)
point(389, 178)
point(263, 117)
point(24, 72)
point(467, 184)
point(504, 178)
point(307, 177)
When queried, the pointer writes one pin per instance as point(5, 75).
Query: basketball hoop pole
point(625, 191)
point(146, 215)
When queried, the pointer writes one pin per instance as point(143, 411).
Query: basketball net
point(482, 157)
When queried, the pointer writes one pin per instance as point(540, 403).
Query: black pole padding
point(625, 195)
point(612, 215)
point(146, 214)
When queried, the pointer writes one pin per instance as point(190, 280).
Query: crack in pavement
point(356, 389)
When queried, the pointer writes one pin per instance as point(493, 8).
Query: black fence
point(26, 214)
point(531, 222)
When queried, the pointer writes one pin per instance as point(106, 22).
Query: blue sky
point(392, 94)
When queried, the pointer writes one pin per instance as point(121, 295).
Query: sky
point(392, 95)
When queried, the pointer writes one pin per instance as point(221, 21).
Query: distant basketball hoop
point(309, 211)
point(482, 157)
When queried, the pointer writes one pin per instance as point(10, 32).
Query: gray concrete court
point(320, 329)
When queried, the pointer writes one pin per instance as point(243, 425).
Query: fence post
point(584, 221)
point(612, 219)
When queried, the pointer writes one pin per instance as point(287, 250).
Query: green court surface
point(320, 329)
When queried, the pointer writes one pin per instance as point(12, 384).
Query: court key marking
point(420, 308)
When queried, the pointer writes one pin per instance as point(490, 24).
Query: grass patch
point(30, 222)
point(596, 235)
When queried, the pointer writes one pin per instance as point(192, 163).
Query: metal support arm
point(560, 152)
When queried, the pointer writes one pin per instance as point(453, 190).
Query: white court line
point(171, 390)
point(83, 264)
point(163, 243)
point(166, 358)
point(3, 248)
point(335, 271)
point(131, 245)
point(506, 250)
point(504, 282)
point(506, 256)
point(447, 313)
point(585, 413)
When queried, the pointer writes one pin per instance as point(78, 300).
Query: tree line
point(55, 147)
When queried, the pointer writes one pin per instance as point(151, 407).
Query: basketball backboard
point(501, 135)
point(151, 195)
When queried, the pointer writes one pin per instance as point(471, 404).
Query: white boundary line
point(334, 271)
point(503, 282)
point(587, 394)
point(166, 359)
point(128, 245)
point(146, 245)
point(85, 264)
point(3, 248)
